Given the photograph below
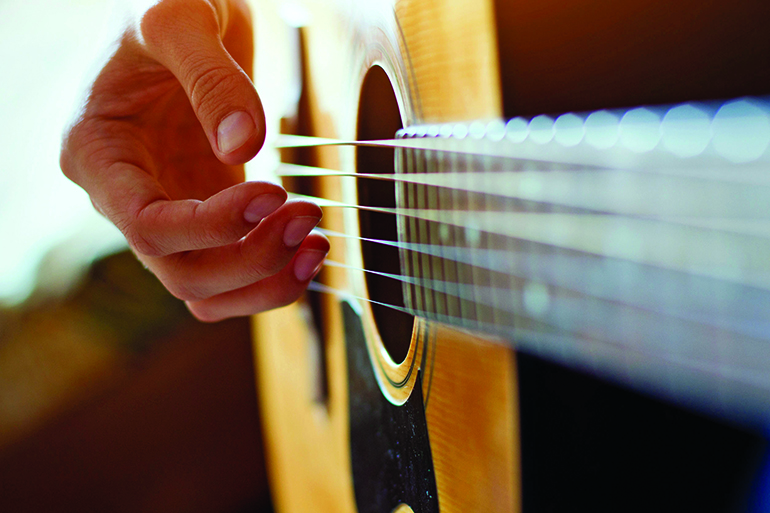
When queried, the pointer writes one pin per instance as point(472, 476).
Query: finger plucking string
point(264, 252)
point(278, 290)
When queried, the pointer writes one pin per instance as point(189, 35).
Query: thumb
point(186, 37)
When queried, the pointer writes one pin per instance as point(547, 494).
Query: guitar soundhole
point(379, 118)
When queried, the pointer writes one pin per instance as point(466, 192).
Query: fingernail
point(261, 206)
point(297, 229)
point(234, 130)
point(307, 263)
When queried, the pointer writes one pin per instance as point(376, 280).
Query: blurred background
point(112, 397)
point(47, 51)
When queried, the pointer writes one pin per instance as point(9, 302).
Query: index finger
point(155, 225)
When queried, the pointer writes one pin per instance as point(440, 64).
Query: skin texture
point(148, 149)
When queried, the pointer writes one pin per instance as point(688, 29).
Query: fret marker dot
point(537, 299)
point(472, 234)
point(443, 232)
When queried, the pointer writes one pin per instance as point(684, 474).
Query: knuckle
point(203, 232)
point(183, 290)
point(202, 238)
point(157, 21)
point(137, 229)
point(140, 243)
point(260, 266)
point(186, 19)
point(175, 275)
point(211, 88)
point(258, 270)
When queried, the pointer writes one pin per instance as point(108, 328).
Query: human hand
point(159, 146)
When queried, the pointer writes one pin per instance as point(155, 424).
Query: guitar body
point(467, 384)
point(370, 411)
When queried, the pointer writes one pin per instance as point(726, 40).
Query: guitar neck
point(634, 244)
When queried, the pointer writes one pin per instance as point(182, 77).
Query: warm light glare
point(516, 130)
point(39, 207)
point(741, 131)
point(602, 129)
point(541, 129)
point(640, 130)
point(686, 130)
point(569, 130)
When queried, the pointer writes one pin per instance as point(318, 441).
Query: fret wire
point(402, 223)
point(446, 237)
point(436, 268)
point(419, 292)
point(467, 307)
point(486, 163)
point(476, 236)
point(422, 231)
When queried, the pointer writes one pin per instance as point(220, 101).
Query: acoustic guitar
point(506, 183)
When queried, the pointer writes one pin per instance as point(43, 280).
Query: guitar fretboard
point(634, 243)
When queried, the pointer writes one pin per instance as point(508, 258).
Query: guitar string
point(505, 299)
point(496, 260)
point(734, 257)
point(739, 175)
point(640, 284)
point(413, 211)
point(730, 322)
point(562, 346)
point(732, 208)
point(442, 251)
point(498, 222)
point(517, 263)
point(480, 147)
point(738, 225)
